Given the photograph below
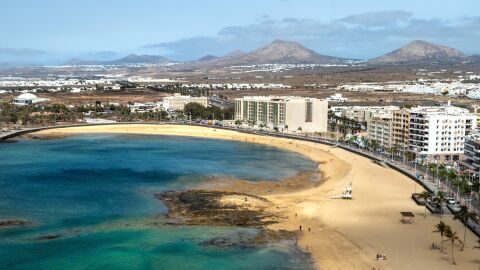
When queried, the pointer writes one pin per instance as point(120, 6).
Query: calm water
point(96, 192)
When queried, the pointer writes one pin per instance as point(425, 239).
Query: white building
point(361, 113)
point(440, 132)
point(336, 98)
point(177, 102)
point(474, 94)
point(27, 99)
point(145, 107)
point(287, 114)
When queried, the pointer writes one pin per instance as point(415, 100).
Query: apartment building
point(433, 133)
point(287, 114)
point(361, 113)
point(401, 128)
point(472, 155)
point(177, 102)
point(439, 132)
point(380, 129)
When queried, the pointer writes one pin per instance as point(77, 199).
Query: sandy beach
point(343, 234)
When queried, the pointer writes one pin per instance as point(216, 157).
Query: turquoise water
point(95, 193)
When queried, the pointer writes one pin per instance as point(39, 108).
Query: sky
point(52, 31)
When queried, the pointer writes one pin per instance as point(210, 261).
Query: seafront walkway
point(409, 169)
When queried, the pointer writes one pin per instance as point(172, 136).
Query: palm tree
point(441, 228)
point(374, 144)
point(432, 167)
point(440, 198)
point(425, 195)
point(464, 215)
point(452, 237)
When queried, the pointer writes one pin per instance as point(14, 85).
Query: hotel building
point(177, 102)
point(287, 114)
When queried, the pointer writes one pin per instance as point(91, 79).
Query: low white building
point(336, 98)
point(27, 99)
point(474, 94)
point(177, 102)
point(145, 107)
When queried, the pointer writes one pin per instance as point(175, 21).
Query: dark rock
point(49, 237)
point(199, 207)
point(13, 223)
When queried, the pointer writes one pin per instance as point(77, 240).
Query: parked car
point(451, 201)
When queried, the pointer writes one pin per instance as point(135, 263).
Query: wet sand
point(344, 234)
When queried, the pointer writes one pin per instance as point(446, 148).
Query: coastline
point(344, 234)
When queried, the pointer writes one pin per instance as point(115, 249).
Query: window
point(308, 112)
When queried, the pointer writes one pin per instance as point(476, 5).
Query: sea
point(91, 203)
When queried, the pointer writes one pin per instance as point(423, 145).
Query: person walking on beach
point(300, 227)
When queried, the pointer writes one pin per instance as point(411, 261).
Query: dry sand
point(344, 234)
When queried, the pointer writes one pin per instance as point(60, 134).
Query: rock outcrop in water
point(14, 223)
point(218, 208)
point(242, 240)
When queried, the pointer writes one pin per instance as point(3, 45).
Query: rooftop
point(450, 110)
point(27, 96)
point(275, 98)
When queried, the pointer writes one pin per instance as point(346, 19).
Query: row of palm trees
point(463, 214)
point(460, 180)
point(463, 181)
point(438, 198)
point(344, 125)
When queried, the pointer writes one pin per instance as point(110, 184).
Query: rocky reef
point(219, 208)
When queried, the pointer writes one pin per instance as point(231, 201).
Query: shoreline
point(344, 234)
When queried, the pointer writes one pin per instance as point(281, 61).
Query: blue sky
point(54, 30)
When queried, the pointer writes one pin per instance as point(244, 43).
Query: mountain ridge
point(289, 52)
point(129, 59)
point(276, 52)
point(420, 51)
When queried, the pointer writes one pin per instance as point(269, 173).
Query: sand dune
point(344, 234)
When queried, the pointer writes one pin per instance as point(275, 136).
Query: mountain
point(277, 52)
point(207, 57)
point(80, 62)
point(140, 59)
point(234, 54)
point(420, 51)
point(475, 57)
point(287, 52)
point(129, 59)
